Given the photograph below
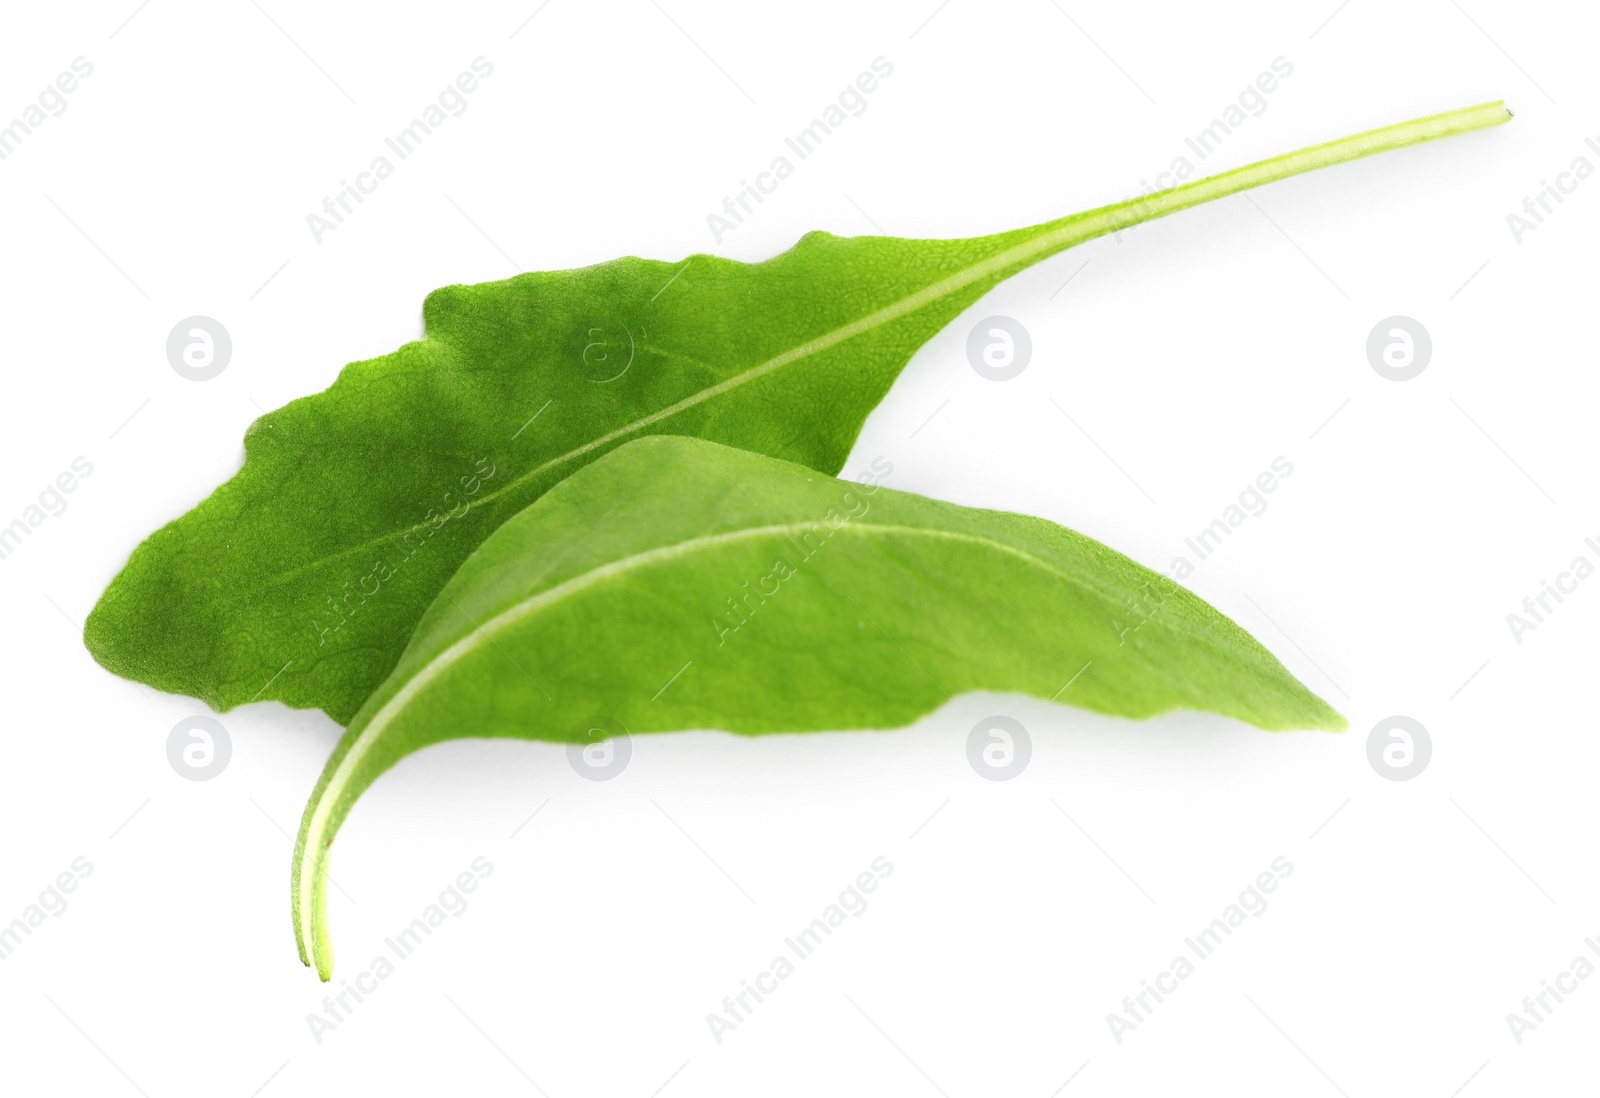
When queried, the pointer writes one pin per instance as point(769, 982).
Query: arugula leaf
point(678, 584)
point(301, 578)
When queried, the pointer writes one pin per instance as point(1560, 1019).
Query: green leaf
point(301, 578)
point(677, 584)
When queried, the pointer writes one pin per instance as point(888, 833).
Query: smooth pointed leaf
point(301, 578)
point(678, 584)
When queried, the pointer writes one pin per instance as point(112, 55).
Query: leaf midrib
point(922, 298)
point(315, 850)
point(1051, 236)
point(533, 604)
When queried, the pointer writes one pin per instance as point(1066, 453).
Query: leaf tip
point(1324, 717)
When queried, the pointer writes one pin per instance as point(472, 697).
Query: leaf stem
point(1109, 219)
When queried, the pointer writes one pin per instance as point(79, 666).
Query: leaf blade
point(785, 601)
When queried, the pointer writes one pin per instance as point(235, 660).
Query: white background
point(1019, 914)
